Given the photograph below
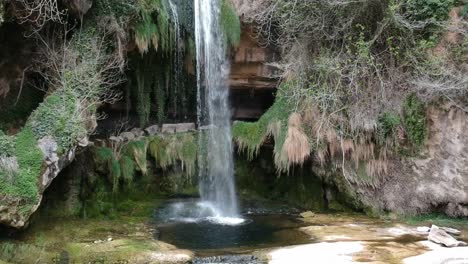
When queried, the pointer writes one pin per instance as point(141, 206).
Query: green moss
point(414, 119)
point(18, 252)
point(250, 136)
point(230, 23)
point(464, 11)
point(437, 219)
point(7, 145)
point(30, 159)
point(58, 118)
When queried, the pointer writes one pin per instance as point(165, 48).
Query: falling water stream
point(177, 56)
point(218, 202)
point(216, 172)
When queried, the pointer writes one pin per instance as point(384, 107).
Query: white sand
point(339, 252)
point(440, 255)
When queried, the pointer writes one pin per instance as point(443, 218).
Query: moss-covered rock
point(258, 179)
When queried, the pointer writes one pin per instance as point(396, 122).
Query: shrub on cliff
point(414, 113)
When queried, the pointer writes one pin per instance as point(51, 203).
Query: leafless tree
point(38, 12)
point(82, 65)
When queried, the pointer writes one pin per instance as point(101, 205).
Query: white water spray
point(216, 170)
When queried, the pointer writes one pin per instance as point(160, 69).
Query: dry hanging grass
point(296, 146)
point(363, 151)
point(377, 167)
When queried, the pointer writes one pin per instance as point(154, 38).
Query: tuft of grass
point(437, 219)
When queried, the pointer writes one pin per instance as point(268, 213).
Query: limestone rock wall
point(254, 78)
point(435, 181)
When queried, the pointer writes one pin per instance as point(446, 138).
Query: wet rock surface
point(228, 259)
point(440, 236)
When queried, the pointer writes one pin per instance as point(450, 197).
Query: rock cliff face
point(253, 78)
point(435, 181)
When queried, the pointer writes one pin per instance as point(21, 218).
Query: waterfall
point(177, 56)
point(216, 169)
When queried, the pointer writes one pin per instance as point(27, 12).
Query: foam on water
point(232, 221)
point(198, 211)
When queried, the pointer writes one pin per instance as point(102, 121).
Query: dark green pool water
point(261, 229)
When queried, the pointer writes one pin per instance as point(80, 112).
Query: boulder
point(127, 136)
point(152, 130)
point(13, 212)
point(451, 231)
point(178, 128)
point(439, 236)
point(423, 229)
point(307, 214)
point(84, 142)
point(169, 128)
point(185, 127)
point(116, 139)
point(138, 132)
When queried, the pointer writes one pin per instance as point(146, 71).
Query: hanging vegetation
point(153, 28)
point(124, 162)
point(251, 136)
point(137, 151)
point(230, 24)
point(169, 150)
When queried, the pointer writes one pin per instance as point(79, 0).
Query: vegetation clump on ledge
point(124, 162)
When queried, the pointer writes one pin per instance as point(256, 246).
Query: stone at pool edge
point(439, 236)
point(451, 231)
point(307, 214)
